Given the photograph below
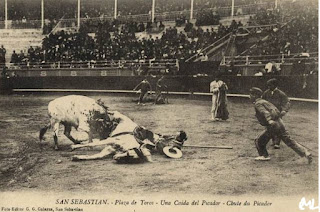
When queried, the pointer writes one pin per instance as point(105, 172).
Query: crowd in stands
point(90, 26)
point(113, 41)
point(265, 17)
point(207, 17)
point(299, 34)
point(34, 55)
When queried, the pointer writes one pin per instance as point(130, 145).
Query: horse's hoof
point(75, 158)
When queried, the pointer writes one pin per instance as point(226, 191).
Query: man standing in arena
point(159, 88)
point(144, 87)
point(269, 116)
point(219, 109)
point(279, 99)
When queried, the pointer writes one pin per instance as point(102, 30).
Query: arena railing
point(173, 15)
point(222, 11)
point(20, 24)
point(243, 9)
point(210, 47)
point(256, 29)
point(264, 38)
point(165, 16)
point(2, 25)
point(55, 28)
point(249, 29)
point(67, 23)
point(106, 64)
point(264, 59)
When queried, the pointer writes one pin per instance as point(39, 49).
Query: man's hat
point(172, 152)
point(272, 81)
point(256, 91)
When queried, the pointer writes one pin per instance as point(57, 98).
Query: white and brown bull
point(83, 113)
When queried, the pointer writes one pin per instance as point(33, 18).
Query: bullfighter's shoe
point(262, 158)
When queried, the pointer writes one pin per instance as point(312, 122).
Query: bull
point(83, 113)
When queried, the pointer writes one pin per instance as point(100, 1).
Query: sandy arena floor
point(26, 167)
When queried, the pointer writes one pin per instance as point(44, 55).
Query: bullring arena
point(26, 166)
point(104, 49)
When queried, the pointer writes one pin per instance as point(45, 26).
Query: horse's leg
point(103, 154)
point(96, 143)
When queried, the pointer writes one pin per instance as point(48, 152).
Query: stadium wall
point(294, 86)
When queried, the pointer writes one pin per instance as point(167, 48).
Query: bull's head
point(102, 127)
point(101, 123)
point(105, 125)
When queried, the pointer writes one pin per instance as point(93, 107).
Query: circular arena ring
point(27, 166)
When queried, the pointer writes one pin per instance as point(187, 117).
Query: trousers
point(279, 131)
point(141, 97)
point(276, 140)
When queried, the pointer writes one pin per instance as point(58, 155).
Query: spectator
point(14, 58)
point(268, 67)
point(21, 56)
point(299, 67)
point(141, 27)
point(203, 57)
point(3, 52)
point(161, 26)
point(188, 26)
point(313, 68)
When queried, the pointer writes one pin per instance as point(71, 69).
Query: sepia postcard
point(159, 105)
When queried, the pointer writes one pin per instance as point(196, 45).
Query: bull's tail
point(43, 131)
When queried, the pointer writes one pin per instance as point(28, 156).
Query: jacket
point(278, 98)
point(265, 111)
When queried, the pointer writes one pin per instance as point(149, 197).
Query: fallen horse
point(130, 143)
